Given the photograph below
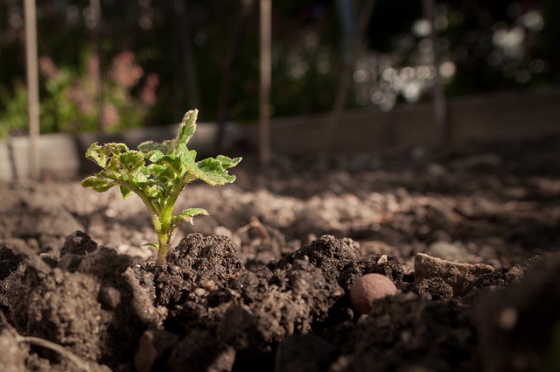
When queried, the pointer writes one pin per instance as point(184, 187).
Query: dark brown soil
point(470, 239)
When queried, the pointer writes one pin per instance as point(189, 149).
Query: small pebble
point(369, 288)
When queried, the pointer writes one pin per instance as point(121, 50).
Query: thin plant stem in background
point(345, 79)
point(265, 82)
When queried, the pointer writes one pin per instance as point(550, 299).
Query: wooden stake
point(265, 81)
point(32, 88)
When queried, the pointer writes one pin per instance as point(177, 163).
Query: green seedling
point(158, 173)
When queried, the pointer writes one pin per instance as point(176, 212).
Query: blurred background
point(108, 65)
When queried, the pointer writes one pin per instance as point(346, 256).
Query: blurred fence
point(489, 117)
point(484, 117)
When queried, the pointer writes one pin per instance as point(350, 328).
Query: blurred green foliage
point(79, 100)
point(14, 115)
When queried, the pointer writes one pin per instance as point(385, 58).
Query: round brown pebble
point(369, 288)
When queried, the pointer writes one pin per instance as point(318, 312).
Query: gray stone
point(460, 276)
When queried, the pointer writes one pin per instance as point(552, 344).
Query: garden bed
point(263, 282)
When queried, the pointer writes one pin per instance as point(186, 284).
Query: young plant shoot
point(158, 173)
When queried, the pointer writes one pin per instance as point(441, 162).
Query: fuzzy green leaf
point(125, 192)
point(213, 172)
point(228, 162)
point(187, 127)
point(140, 178)
point(149, 147)
point(95, 154)
point(155, 245)
point(154, 169)
point(131, 160)
point(153, 191)
point(115, 148)
point(188, 214)
point(97, 183)
point(156, 156)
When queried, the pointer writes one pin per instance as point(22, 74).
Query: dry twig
point(83, 365)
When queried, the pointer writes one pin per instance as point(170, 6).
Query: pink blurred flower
point(47, 67)
point(148, 93)
point(110, 115)
point(124, 70)
point(93, 65)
